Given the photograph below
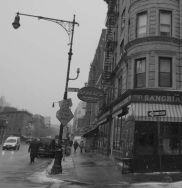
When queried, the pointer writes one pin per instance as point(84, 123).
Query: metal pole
point(57, 167)
point(69, 59)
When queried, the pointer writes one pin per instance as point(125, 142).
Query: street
point(15, 170)
point(80, 170)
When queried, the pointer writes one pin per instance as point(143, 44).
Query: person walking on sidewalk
point(81, 145)
point(75, 145)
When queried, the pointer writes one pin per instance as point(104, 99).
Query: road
point(17, 172)
point(83, 172)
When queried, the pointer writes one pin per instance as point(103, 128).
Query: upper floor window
point(165, 23)
point(165, 72)
point(141, 29)
point(140, 73)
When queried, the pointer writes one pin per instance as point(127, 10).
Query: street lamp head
point(16, 23)
point(78, 70)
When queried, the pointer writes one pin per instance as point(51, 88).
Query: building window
point(141, 30)
point(165, 23)
point(140, 73)
point(165, 72)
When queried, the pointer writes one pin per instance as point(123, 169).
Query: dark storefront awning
point(147, 112)
point(91, 133)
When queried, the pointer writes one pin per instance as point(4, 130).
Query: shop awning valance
point(144, 112)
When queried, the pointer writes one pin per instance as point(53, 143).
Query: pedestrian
point(75, 145)
point(71, 143)
point(81, 145)
point(33, 150)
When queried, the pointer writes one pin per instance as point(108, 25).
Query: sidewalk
point(94, 169)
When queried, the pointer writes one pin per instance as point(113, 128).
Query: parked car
point(46, 147)
point(12, 142)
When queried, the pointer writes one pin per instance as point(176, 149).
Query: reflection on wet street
point(15, 168)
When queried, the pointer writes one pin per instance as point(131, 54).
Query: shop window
point(171, 138)
point(140, 73)
point(141, 29)
point(165, 72)
point(145, 138)
point(165, 23)
point(171, 146)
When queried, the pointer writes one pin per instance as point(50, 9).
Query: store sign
point(90, 94)
point(157, 99)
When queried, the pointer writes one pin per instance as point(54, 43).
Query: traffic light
point(16, 23)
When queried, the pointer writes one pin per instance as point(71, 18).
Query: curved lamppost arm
point(66, 25)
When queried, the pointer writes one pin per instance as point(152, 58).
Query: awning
point(151, 112)
point(91, 133)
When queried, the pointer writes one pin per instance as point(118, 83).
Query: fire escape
point(110, 46)
point(112, 15)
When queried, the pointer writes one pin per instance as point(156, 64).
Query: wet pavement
point(80, 170)
point(90, 170)
point(15, 168)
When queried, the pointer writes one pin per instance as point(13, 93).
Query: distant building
point(47, 121)
point(3, 102)
point(78, 116)
point(17, 122)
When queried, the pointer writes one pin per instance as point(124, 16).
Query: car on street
point(12, 142)
point(46, 147)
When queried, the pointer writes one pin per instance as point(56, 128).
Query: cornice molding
point(152, 39)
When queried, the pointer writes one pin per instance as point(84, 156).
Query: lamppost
point(68, 26)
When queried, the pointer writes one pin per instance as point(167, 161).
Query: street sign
point(64, 116)
point(71, 89)
point(156, 113)
point(66, 103)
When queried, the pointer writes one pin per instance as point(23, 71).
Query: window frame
point(170, 73)
point(170, 13)
point(135, 72)
point(137, 22)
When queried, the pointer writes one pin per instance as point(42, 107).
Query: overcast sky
point(34, 58)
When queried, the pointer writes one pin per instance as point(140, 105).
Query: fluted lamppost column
point(68, 26)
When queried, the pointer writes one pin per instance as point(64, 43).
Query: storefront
point(146, 132)
point(91, 139)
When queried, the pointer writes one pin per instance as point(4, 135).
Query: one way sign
point(156, 113)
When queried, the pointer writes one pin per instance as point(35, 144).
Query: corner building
point(140, 120)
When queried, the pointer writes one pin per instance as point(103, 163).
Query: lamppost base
point(56, 169)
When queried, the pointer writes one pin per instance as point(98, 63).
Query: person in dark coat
point(33, 150)
point(75, 145)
